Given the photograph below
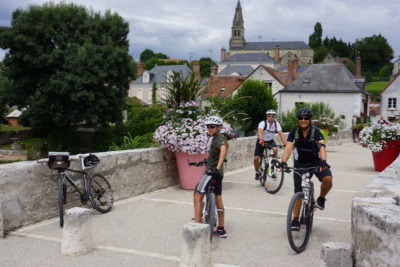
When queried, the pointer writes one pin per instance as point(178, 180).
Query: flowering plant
point(359, 126)
point(325, 122)
point(376, 136)
point(184, 129)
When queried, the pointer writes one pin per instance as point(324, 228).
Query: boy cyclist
point(217, 153)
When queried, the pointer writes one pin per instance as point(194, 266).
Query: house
point(329, 59)
point(221, 86)
point(396, 68)
point(247, 59)
point(332, 84)
point(390, 100)
point(241, 70)
point(13, 117)
point(279, 50)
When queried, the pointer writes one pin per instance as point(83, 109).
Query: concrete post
point(196, 248)
point(77, 232)
point(336, 254)
point(1, 222)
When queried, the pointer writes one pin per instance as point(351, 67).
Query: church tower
point(237, 37)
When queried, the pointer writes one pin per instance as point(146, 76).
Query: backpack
point(265, 127)
point(91, 160)
point(312, 140)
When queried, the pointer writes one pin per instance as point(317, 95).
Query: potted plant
point(326, 125)
point(384, 142)
point(184, 133)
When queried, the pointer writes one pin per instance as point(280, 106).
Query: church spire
point(238, 19)
point(237, 36)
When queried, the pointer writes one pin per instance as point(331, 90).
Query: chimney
point(358, 66)
point(196, 69)
point(140, 69)
point(223, 54)
point(214, 70)
point(290, 72)
point(296, 62)
point(276, 56)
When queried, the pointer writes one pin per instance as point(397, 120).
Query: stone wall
point(28, 190)
point(376, 220)
point(22, 135)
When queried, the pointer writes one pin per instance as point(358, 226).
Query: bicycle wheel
point(298, 239)
point(101, 193)
point(274, 181)
point(211, 212)
point(61, 199)
point(263, 170)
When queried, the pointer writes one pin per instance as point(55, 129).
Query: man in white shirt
point(266, 132)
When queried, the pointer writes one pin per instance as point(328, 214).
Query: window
point(140, 94)
point(392, 102)
point(268, 84)
point(163, 93)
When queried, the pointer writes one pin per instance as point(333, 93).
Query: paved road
point(146, 230)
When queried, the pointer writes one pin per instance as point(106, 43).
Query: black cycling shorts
point(319, 175)
point(202, 186)
point(258, 152)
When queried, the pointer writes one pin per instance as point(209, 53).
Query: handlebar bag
point(91, 160)
point(59, 162)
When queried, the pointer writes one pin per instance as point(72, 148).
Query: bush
point(138, 114)
point(141, 141)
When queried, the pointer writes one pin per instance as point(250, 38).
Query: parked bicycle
point(209, 213)
point(96, 188)
point(272, 178)
point(301, 208)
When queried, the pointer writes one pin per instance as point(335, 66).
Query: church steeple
point(237, 36)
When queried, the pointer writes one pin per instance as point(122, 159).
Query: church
point(279, 51)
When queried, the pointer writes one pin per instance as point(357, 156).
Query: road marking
point(243, 209)
point(41, 237)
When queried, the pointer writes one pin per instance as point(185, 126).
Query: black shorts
point(260, 149)
point(319, 175)
point(202, 186)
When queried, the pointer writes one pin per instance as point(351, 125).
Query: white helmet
point(271, 111)
point(214, 120)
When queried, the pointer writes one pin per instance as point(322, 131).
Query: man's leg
point(257, 163)
point(197, 206)
point(326, 186)
point(275, 151)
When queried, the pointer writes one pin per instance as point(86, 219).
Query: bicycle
point(304, 202)
point(268, 167)
point(209, 213)
point(96, 188)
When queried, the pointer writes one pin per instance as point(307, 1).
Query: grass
point(9, 128)
point(376, 88)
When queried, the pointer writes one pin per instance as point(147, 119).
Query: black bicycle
point(209, 213)
point(272, 178)
point(96, 188)
point(301, 208)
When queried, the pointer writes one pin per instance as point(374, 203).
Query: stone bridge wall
point(28, 194)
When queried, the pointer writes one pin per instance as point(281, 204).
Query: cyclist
point(309, 150)
point(217, 153)
point(266, 133)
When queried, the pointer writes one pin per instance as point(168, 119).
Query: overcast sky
point(179, 27)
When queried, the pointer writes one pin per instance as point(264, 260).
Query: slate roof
point(326, 78)
point(272, 45)
point(243, 70)
point(300, 68)
point(158, 74)
point(248, 58)
point(217, 82)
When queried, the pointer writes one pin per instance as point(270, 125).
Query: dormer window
point(146, 77)
point(170, 73)
point(306, 80)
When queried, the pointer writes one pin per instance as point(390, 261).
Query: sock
point(220, 228)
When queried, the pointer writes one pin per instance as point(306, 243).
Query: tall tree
point(206, 64)
point(315, 39)
point(68, 65)
point(154, 93)
point(146, 55)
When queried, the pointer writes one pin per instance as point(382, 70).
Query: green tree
point(138, 114)
point(68, 64)
point(161, 56)
point(205, 66)
point(315, 39)
point(254, 99)
point(146, 55)
point(154, 93)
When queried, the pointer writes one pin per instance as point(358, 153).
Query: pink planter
point(189, 176)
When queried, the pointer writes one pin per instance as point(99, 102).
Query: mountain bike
point(272, 178)
point(96, 188)
point(209, 212)
point(303, 204)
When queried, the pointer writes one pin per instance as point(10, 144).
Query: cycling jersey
point(270, 129)
point(305, 150)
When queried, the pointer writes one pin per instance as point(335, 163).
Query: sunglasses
point(304, 118)
point(211, 126)
point(271, 116)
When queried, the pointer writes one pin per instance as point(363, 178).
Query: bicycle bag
point(59, 162)
point(91, 160)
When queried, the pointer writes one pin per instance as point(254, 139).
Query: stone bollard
point(77, 232)
point(334, 254)
point(1, 222)
point(196, 248)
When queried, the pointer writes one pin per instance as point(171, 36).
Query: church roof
point(244, 70)
point(158, 74)
point(248, 58)
point(272, 45)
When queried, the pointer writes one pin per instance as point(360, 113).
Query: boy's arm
point(222, 155)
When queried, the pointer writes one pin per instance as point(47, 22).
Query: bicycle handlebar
point(200, 163)
point(269, 146)
point(311, 169)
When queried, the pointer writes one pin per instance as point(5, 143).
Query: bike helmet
point(271, 111)
point(304, 112)
point(214, 120)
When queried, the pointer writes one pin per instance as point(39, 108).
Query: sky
point(203, 27)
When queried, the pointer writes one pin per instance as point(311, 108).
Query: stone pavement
point(147, 230)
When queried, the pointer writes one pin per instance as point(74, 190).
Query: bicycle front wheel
point(274, 181)
point(211, 212)
point(298, 238)
point(263, 171)
point(101, 193)
point(61, 196)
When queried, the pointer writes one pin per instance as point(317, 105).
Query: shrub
point(138, 114)
point(130, 142)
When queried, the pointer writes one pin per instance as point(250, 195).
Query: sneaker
point(257, 176)
point(220, 233)
point(295, 225)
point(320, 203)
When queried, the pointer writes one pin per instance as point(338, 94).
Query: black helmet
point(304, 112)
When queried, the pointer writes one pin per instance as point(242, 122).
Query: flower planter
point(386, 156)
point(189, 176)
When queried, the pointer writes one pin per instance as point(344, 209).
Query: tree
point(154, 93)
point(205, 66)
point(146, 55)
point(315, 39)
point(161, 56)
point(254, 99)
point(68, 65)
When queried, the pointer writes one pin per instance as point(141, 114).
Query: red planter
point(189, 176)
point(386, 156)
